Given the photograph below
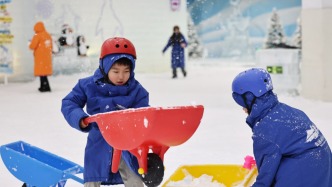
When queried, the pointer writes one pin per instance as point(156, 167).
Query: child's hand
point(82, 124)
point(183, 45)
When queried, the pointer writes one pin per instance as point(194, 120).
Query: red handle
point(89, 119)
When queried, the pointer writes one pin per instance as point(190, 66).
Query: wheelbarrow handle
point(89, 119)
point(74, 177)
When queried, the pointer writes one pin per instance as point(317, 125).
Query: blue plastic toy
point(37, 167)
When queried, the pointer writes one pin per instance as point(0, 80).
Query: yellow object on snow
point(228, 175)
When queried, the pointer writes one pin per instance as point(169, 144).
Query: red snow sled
point(145, 130)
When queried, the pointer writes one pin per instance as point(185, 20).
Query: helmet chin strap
point(246, 102)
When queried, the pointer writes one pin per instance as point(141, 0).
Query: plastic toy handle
point(249, 162)
point(75, 178)
point(249, 178)
point(89, 119)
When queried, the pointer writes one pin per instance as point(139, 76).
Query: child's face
point(119, 74)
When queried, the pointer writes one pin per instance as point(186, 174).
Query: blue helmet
point(255, 80)
point(249, 85)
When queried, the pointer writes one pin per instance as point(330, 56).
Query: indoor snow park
point(172, 93)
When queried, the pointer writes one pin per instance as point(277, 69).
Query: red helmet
point(117, 45)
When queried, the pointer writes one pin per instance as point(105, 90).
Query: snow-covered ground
point(222, 138)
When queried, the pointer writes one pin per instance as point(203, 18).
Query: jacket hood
point(261, 107)
point(106, 63)
point(39, 27)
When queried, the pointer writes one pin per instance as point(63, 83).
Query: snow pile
point(190, 181)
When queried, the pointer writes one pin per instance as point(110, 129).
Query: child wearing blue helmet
point(288, 147)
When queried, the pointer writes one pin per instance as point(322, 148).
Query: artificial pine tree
point(297, 39)
point(195, 50)
point(275, 37)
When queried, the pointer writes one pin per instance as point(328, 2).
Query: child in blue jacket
point(288, 147)
point(112, 87)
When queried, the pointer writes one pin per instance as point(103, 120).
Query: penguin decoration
point(81, 46)
point(67, 36)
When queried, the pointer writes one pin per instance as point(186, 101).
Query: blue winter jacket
point(99, 97)
point(178, 55)
point(289, 149)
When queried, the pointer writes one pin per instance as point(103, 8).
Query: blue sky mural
point(229, 28)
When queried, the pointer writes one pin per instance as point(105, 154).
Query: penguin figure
point(67, 36)
point(81, 46)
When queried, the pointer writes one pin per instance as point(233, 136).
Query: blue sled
point(37, 167)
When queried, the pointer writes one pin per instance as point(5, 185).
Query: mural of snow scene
point(235, 29)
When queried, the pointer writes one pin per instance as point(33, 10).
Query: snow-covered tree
point(195, 50)
point(275, 35)
point(297, 38)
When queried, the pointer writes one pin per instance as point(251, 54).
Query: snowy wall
point(236, 28)
point(147, 23)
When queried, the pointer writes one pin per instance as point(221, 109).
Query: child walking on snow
point(288, 147)
point(112, 87)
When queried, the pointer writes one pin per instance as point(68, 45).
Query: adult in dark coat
point(289, 148)
point(178, 43)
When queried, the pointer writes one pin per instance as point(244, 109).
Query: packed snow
point(189, 180)
point(222, 137)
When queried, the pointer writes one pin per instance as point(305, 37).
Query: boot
point(184, 72)
point(174, 74)
point(45, 87)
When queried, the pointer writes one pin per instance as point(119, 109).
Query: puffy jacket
point(289, 149)
point(178, 55)
point(41, 44)
point(99, 97)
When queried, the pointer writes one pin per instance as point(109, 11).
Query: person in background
point(112, 87)
point(178, 43)
point(288, 147)
point(41, 44)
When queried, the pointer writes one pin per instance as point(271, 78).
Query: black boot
point(174, 74)
point(45, 86)
point(184, 72)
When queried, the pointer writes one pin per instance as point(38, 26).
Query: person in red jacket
point(41, 45)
